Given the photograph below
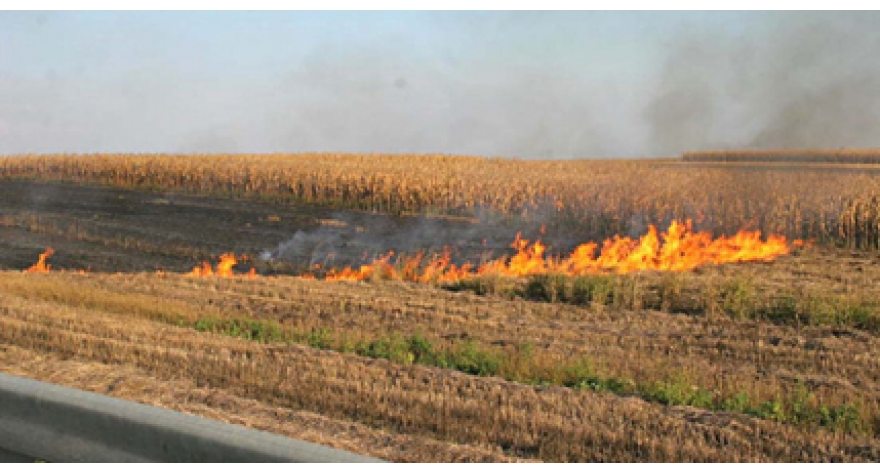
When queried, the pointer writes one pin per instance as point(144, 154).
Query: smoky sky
point(524, 84)
point(803, 81)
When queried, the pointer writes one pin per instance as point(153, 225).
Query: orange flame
point(224, 268)
point(41, 266)
point(380, 267)
point(678, 249)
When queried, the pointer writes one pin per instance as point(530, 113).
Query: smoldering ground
point(351, 238)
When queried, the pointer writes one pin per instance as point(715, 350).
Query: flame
point(678, 249)
point(380, 267)
point(681, 250)
point(224, 267)
point(41, 266)
point(439, 269)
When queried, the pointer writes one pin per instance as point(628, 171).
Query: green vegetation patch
point(522, 364)
point(735, 298)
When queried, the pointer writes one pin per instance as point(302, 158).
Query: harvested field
point(155, 326)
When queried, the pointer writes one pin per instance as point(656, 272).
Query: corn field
point(595, 198)
point(842, 156)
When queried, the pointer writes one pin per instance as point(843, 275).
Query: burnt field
point(755, 361)
point(106, 229)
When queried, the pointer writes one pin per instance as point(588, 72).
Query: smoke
point(352, 238)
point(375, 97)
point(797, 81)
point(522, 84)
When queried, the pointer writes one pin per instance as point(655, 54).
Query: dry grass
point(146, 323)
point(131, 383)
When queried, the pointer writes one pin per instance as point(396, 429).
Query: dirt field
point(749, 362)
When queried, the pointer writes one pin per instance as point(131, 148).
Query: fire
point(224, 267)
point(381, 267)
point(41, 266)
point(678, 249)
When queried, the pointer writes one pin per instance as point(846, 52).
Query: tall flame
point(41, 266)
point(678, 249)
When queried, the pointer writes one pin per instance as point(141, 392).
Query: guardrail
point(52, 423)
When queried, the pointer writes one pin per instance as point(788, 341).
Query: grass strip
point(520, 365)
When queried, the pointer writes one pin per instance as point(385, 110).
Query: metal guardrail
point(52, 423)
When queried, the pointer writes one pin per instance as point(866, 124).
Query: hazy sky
point(532, 85)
